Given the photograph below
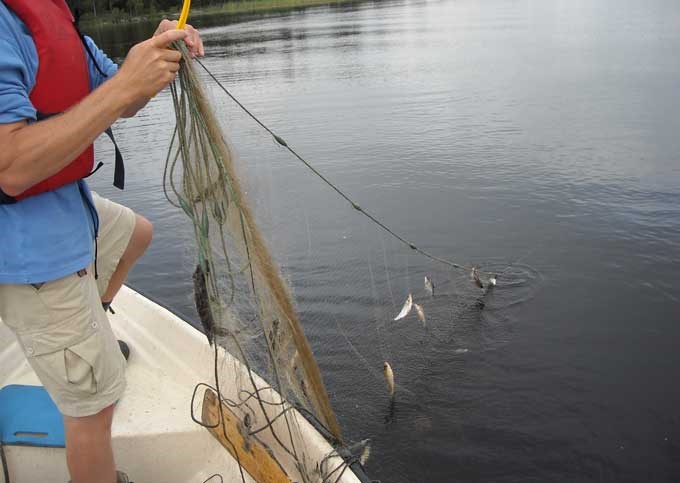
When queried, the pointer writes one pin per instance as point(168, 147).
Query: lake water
point(536, 137)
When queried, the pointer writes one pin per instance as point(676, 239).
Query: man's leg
point(123, 238)
point(139, 241)
point(89, 455)
point(68, 341)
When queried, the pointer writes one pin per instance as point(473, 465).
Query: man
point(65, 252)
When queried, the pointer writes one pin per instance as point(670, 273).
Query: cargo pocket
point(82, 361)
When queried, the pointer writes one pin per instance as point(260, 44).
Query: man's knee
point(140, 239)
point(143, 232)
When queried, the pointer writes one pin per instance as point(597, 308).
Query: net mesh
point(242, 300)
point(351, 276)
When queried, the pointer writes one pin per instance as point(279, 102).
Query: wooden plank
point(254, 455)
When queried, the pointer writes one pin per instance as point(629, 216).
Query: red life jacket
point(62, 79)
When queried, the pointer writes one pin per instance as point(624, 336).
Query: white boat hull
point(154, 437)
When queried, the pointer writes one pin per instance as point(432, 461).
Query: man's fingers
point(163, 26)
point(191, 38)
point(171, 55)
point(172, 66)
point(189, 34)
point(168, 37)
point(194, 40)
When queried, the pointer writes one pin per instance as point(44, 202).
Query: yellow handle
point(184, 15)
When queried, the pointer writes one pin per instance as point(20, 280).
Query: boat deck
point(154, 438)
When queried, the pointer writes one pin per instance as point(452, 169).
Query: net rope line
point(252, 240)
point(260, 401)
point(209, 194)
point(206, 255)
point(181, 118)
point(333, 431)
point(356, 206)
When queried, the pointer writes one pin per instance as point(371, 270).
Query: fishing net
point(241, 297)
point(355, 287)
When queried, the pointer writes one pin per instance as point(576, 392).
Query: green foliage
point(111, 12)
point(91, 8)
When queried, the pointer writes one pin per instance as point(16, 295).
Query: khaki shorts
point(63, 329)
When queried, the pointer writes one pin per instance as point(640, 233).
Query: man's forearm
point(31, 153)
point(135, 108)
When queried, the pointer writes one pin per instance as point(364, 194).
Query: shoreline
point(196, 15)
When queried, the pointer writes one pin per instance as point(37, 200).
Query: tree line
point(126, 8)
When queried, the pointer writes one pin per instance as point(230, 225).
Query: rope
point(354, 205)
point(199, 179)
point(3, 458)
point(212, 477)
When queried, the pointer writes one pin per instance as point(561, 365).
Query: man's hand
point(149, 67)
point(193, 38)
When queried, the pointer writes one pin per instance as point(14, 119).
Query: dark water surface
point(540, 132)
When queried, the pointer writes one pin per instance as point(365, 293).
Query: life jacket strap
point(6, 199)
point(119, 166)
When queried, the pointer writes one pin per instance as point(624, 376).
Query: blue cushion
point(29, 417)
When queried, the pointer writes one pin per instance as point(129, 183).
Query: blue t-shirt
point(47, 236)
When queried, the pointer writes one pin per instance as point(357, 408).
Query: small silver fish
point(362, 449)
point(420, 312)
point(365, 454)
point(406, 309)
point(475, 277)
point(429, 286)
point(389, 377)
point(492, 281)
